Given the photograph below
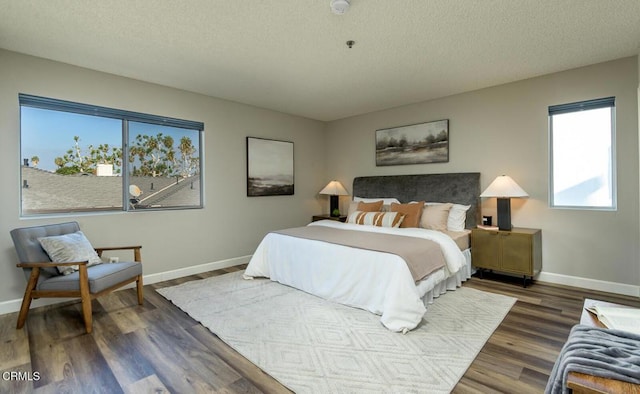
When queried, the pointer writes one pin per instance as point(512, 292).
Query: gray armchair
point(87, 283)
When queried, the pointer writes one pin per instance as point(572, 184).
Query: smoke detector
point(339, 7)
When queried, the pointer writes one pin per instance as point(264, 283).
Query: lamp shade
point(504, 187)
point(334, 188)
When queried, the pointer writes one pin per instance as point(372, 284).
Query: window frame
point(27, 100)
point(606, 102)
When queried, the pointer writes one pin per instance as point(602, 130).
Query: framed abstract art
point(269, 167)
point(413, 144)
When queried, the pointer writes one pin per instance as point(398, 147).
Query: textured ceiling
point(290, 55)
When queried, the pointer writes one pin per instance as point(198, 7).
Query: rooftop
point(47, 192)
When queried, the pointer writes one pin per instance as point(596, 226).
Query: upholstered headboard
point(459, 188)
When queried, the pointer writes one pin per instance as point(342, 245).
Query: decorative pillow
point(379, 219)
point(412, 213)
point(434, 217)
point(68, 248)
point(457, 220)
point(457, 217)
point(370, 206)
point(386, 202)
point(353, 206)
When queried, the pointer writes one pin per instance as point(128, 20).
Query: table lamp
point(504, 188)
point(334, 189)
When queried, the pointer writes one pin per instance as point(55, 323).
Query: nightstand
point(518, 251)
point(315, 218)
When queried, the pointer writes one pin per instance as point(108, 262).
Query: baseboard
point(586, 283)
point(196, 269)
point(593, 284)
point(14, 305)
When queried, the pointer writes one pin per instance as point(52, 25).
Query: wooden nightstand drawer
point(518, 251)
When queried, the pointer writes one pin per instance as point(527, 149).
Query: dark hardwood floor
point(157, 348)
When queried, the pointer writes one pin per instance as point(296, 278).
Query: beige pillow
point(379, 219)
point(412, 213)
point(457, 216)
point(370, 206)
point(434, 217)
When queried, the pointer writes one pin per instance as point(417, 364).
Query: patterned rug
point(315, 346)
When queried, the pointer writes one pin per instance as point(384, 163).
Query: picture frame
point(269, 167)
point(420, 143)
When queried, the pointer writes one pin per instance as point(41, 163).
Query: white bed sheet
point(378, 282)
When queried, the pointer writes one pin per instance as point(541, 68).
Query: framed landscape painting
point(414, 144)
point(269, 167)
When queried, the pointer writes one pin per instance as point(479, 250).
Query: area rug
point(312, 345)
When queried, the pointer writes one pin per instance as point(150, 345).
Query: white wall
point(639, 140)
point(230, 226)
point(504, 130)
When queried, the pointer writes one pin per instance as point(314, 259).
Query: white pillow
point(457, 219)
point(385, 201)
point(353, 206)
point(68, 248)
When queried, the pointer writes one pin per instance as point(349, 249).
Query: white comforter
point(378, 282)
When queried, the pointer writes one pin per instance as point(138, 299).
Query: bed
point(380, 282)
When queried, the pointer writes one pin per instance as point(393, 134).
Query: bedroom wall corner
point(504, 129)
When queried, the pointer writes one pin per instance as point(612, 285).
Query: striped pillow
point(379, 219)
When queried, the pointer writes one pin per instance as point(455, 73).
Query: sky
point(579, 166)
point(49, 134)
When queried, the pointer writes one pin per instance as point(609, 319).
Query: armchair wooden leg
point(86, 299)
point(139, 287)
point(26, 300)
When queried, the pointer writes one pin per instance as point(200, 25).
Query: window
point(83, 158)
point(582, 139)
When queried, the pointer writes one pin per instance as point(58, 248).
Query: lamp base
point(333, 206)
point(504, 214)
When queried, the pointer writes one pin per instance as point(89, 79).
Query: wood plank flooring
point(157, 348)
